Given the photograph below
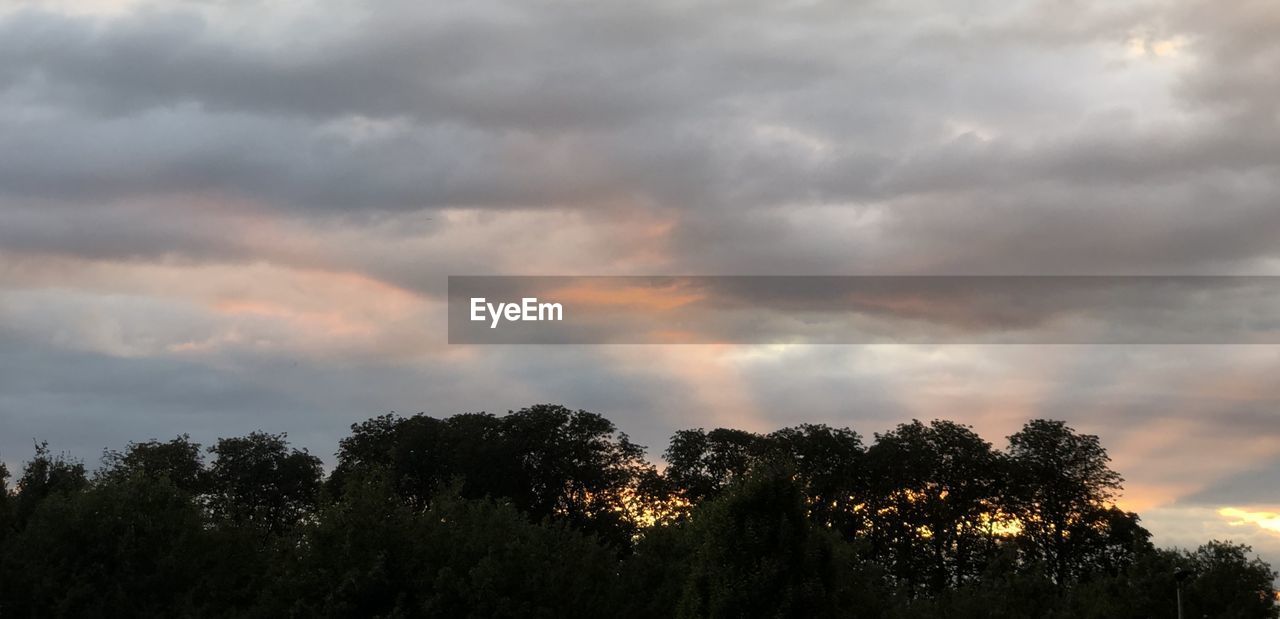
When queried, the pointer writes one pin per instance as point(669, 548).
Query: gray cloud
point(959, 132)
point(1256, 486)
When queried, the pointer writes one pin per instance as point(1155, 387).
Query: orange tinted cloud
point(610, 294)
point(266, 306)
point(1236, 517)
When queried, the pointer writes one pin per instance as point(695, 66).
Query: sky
point(225, 216)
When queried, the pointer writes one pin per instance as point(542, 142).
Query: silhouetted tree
point(701, 464)
point(830, 463)
point(1006, 589)
point(6, 505)
point(126, 548)
point(756, 554)
point(179, 461)
point(934, 499)
point(46, 475)
point(549, 461)
point(1060, 490)
point(654, 576)
point(576, 467)
point(258, 481)
point(418, 455)
point(1227, 582)
point(1224, 582)
point(371, 554)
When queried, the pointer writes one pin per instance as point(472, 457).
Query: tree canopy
point(553, 512)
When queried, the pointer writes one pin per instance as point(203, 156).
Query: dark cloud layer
point(1002, 140)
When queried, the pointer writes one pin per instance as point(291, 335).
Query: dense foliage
point(550, 512)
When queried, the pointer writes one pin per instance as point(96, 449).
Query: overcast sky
point(227, 216)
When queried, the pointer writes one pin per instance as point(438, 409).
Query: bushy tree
point(1061, 489)
point(933, 501)
point(6, 503)
point(654, 576)
point(756, 553)
point(1006, 589)
point(830, 464)
point(701, 464)
point(260, 482)
point(126, 548)
point(43, 476)
point(1227, 581)
point(548, 461)
point(371, 554)
point(179, 461)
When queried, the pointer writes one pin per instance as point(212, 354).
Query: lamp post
point(1180, 576)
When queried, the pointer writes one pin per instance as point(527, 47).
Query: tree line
point(552, 512)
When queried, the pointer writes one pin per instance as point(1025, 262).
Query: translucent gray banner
point(864, 310)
